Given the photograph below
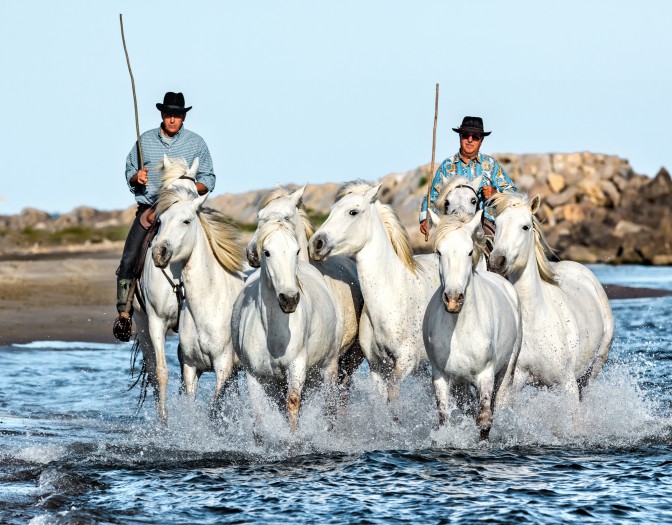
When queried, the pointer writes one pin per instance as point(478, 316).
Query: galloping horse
point(157, 304)
point(472, 328)
point(284, 324)
point(568, 325)
point(395, 285)
point(205, 246)
point(340, 273)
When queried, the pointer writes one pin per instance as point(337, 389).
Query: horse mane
point(279, 193)
point(270, 227)
point(451, 223)
point(396, 232)
point(502, 201)
point(451, 184)
point(222, 235)
point(178, 167)
point(224, 239)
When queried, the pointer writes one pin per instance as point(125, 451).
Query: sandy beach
point(71, 297)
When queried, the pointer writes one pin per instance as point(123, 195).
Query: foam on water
point(615, 412)
point(70, 345)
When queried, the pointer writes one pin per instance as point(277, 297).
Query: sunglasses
point(465, 136)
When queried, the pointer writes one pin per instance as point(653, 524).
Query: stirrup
point(123, 327)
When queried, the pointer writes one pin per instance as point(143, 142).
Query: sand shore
point(71, 297)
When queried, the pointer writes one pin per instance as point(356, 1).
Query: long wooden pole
point(135, 99)
point(431, 169)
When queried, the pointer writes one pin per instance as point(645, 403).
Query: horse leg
point(257, 394)
point(442, 388)
point(485, 384)
point(223, 369)
point(190, 377)
point(157, 333)
point(330, 377)
point(399, 374)
point(296, 378)
point(347, 365)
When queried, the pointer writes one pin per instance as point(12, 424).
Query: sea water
point(75, 449)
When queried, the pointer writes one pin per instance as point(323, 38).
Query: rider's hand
point(424, 226)
point(141, 177)
point(488, 191)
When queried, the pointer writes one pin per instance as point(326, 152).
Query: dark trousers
point(133, 246)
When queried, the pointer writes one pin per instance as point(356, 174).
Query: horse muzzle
point(319, 247)
point(498, 263)
point(288, 302)
point(453, 302)
point(253, 256)
point(161, 255)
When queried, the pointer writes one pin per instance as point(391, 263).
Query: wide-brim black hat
point(172, 103)
point(472, 125)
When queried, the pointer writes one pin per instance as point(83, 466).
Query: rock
point(560, 199)
point(556, 182)
point(624, 228)
point(582, 254)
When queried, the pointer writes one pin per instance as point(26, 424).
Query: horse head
point(459, 196)
point(279, 204)
point(347, 229)
point(517, 231)
point(279, 250)
point(458, 241)
point(177, 212)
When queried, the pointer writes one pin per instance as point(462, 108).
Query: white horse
point(284, 325)
point(472, 328)
point(395, 285)
point(340, 273)
point(157, 304)
point(459, 195)
point(203, 243)
point(568, 325)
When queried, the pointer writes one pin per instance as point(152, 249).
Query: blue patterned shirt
point(155, 144)
point(493, 175)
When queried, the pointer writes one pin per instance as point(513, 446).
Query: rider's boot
point(122, 325)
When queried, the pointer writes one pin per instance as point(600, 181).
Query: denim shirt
point(155, 144)
point(493, 175)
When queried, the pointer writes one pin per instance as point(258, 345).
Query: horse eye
point(471, 253)
point(267, 253)
point(353, 212)
point(474, 201)
point(526, 227)
point(187, 221)
point(297, 251)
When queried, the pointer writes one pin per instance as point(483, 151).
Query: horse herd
point(322, 301)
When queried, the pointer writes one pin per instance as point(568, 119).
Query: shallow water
point(73, 449)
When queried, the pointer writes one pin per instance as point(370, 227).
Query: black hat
point(172, 103)
point(472, 125)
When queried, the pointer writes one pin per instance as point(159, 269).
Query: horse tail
point(142, 377)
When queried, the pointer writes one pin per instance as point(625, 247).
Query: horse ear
point(475, 221)
point(298, 195)
point(372, 194)
point(476, 183)
point(194, 168)
point(436, 219)
point(198, 201)
point(166, 161)
point(534, 205)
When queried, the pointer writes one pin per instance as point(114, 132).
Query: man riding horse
point(144, 181)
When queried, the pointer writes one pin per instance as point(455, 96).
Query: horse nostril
point(319, 244)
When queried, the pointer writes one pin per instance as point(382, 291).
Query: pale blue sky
point(317, 91)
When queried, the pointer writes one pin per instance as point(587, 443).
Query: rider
point(170, 139)
point(469, 163)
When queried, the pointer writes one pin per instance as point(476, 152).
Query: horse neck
point(201, 270)
point(378, 265)
point(528, 282)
